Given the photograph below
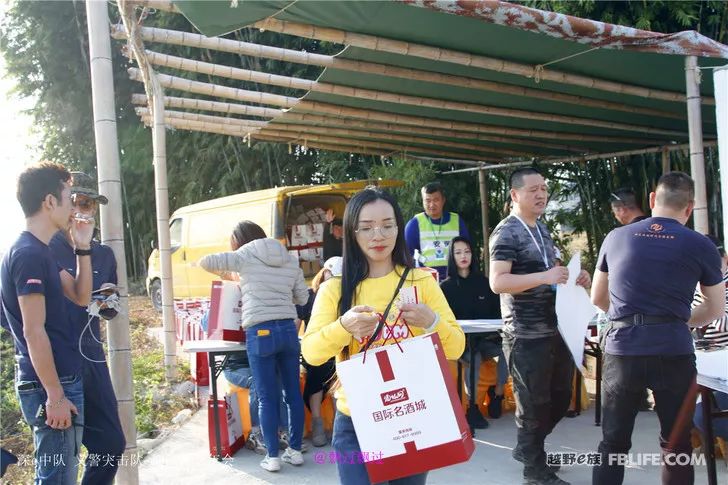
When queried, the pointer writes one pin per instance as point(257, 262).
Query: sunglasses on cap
point(83, 202)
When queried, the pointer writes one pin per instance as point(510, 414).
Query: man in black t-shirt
point(524, 273)
point(625, 207)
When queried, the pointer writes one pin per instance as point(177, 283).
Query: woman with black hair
point(468, 292)
point(345, 313)
point(271, 283)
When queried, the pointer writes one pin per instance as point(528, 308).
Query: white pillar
point(720, 84)
point(695, 131)
point(112, 225)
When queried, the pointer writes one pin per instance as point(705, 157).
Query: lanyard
point(543, 254)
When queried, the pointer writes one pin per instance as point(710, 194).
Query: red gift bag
point(407, 414)
point(231, 429)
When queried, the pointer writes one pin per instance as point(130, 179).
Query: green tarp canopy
point(455, 121)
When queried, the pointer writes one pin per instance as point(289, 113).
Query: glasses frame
point(375, 229)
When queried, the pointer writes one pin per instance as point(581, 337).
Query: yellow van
point(204, 228)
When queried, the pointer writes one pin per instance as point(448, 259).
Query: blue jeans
point(56, 450)
point(346, 445)
point(274, 350)
point(243, 377)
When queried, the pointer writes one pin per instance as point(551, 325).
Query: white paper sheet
point(574, 311)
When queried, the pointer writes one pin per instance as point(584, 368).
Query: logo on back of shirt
point(656, 227)
point(655, 231)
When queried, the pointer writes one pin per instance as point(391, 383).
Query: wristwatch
point(82, 252)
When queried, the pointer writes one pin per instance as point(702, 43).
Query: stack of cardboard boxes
point(306, 238)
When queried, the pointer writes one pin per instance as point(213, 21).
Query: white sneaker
point(294, 457)
point(271, 464)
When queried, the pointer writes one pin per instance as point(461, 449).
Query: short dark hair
point(675, 190)
point(624, 197)
point(433, 187)
point(38, 181)
point(516, 179)
point(247, 231)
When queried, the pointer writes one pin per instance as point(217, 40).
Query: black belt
point(639, 319)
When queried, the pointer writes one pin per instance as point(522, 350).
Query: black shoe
point(476, 419)
point(541, 476)
point(571, 413)
point(495, 404)
point(554, 468)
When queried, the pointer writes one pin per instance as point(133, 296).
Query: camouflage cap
point(83, 184)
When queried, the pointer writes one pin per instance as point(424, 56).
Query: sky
point(19, 147)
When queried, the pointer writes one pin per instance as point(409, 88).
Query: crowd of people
point(645, 280)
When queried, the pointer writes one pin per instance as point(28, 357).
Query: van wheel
point(155, 294)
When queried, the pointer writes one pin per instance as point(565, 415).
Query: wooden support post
point(112, 226)
point(483, 183)
point(695, 130)
point(665, 161)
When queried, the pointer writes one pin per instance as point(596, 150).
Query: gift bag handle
point(380, 325)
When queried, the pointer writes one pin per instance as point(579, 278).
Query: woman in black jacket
point(470, 298)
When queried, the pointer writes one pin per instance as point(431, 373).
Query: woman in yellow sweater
point(345, 316)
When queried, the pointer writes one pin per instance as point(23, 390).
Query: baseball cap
point(334, 264)
point(83, 184)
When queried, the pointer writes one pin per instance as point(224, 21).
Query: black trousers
point(542, 370)
point(624, 380)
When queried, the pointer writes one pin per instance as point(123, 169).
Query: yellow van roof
point(346, 188)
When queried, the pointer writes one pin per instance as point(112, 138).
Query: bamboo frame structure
point(182, 84)
point(112, 227)
point(188, 39)
point(585, 158)
point(446, 55)
point(337, 131)
point(248, 75)
point(351, 123)
point(155, 96)
point(245, 131)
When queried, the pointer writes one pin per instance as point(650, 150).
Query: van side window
point(175, 233)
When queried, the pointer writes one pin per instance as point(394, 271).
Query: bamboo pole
point(344, 111)
point(172, 82)
point(155, 95)
point(205, 105)
point(182, 84)
point(288, 137)
point(282, 117)
point(665, 161)
point(173, 37)
point(380, 44)
point(207, 128)
point(585, 158)
point(695, 129)
point(112, 227)
point(720, 85)
point(288, 82)
point(483, 186)
point(301, 129)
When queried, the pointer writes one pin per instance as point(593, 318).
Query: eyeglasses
point(386, 231)
point(616, 197)
point(82, 202)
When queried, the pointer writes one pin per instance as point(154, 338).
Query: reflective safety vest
point(435, 238)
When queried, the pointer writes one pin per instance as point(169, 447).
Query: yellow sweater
point(325, 337)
